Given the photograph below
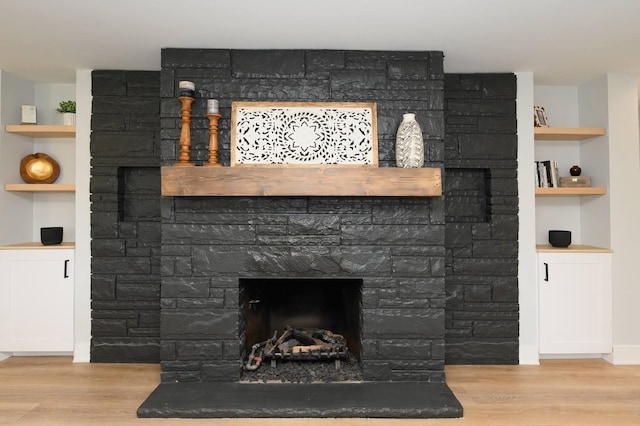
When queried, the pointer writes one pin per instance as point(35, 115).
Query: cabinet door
point(575, 303)
point(36, 300)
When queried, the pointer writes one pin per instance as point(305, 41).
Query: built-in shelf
point(572, 191)
point(274, 181)
point(573, 248)
point(40, 187)
point(42, 131)
point(566, 133)
point(37, 245)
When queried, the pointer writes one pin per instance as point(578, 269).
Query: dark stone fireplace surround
point(395, 246)
point(403, 249)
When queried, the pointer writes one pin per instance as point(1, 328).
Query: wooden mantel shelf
point(320, 181)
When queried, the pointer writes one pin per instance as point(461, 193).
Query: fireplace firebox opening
point(294, 329)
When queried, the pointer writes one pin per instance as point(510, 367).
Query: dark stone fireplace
point(369, 268)
point(213, 255)
point(213, 246)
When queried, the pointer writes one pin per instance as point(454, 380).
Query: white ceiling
point(561, 41)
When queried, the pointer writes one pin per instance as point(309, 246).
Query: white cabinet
point(36, 299)
point(575, 300)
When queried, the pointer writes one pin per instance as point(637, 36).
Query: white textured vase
point(409, 143)
point(69, 118)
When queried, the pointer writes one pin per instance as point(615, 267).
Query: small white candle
point(186, 85)
point(212, 106)
point(186, 88)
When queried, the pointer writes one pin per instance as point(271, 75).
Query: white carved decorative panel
point(303, 133)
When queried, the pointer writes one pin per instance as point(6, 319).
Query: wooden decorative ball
point(39, 168)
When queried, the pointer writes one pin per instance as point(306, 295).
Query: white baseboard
point(42, 353)
point(529, 355)
point(624, 355)
point(574, 356)
point(80, 354)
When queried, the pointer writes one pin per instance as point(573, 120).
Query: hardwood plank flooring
point(55, 391)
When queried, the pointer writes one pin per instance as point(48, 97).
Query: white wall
point(82, 270)
point(527, 282)
point(594, 157)
point(624, 158)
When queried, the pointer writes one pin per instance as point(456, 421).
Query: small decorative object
point(187, 93)
point(186, 88)
point(68, 111)
point(28, 114)
point(575, 171)
point(39, 168)
point(409, 143)
point(560, 239)
point(540, 117)
point(51, 235)
point(212, 106)
point(575, 181)
point(304, 133)
point(213, 136)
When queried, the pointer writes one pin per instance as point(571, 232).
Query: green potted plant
point(68, 111)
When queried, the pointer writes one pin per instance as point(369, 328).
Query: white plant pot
point(69, 118)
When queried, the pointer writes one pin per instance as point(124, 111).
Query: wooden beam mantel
point(319, 181)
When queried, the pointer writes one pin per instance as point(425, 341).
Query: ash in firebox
point(306, 372)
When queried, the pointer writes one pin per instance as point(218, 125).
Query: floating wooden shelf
point(566, 133)
point(321, 181)
point(573, 248)
point(37, 245)
point(572, 191)
point(40, 187)
point(42, 131)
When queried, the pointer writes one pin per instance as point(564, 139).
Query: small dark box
point(560, 238)
point(51, 236)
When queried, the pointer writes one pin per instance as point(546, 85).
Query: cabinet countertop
point(573, 248)
point(37, 245)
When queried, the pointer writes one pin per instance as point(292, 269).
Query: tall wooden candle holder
point(213, 140)
point(185, 133)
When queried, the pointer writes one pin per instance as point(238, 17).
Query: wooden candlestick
point(185, 133)
point(213, 140)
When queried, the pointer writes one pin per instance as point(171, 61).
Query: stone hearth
point(370, 399)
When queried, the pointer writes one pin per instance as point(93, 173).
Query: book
point(547, 174)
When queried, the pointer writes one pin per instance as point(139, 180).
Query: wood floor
point(54, 391)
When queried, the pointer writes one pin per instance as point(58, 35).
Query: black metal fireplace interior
point(269, 305)
point(269, 308)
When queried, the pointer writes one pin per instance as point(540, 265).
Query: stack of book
point(546, 173)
